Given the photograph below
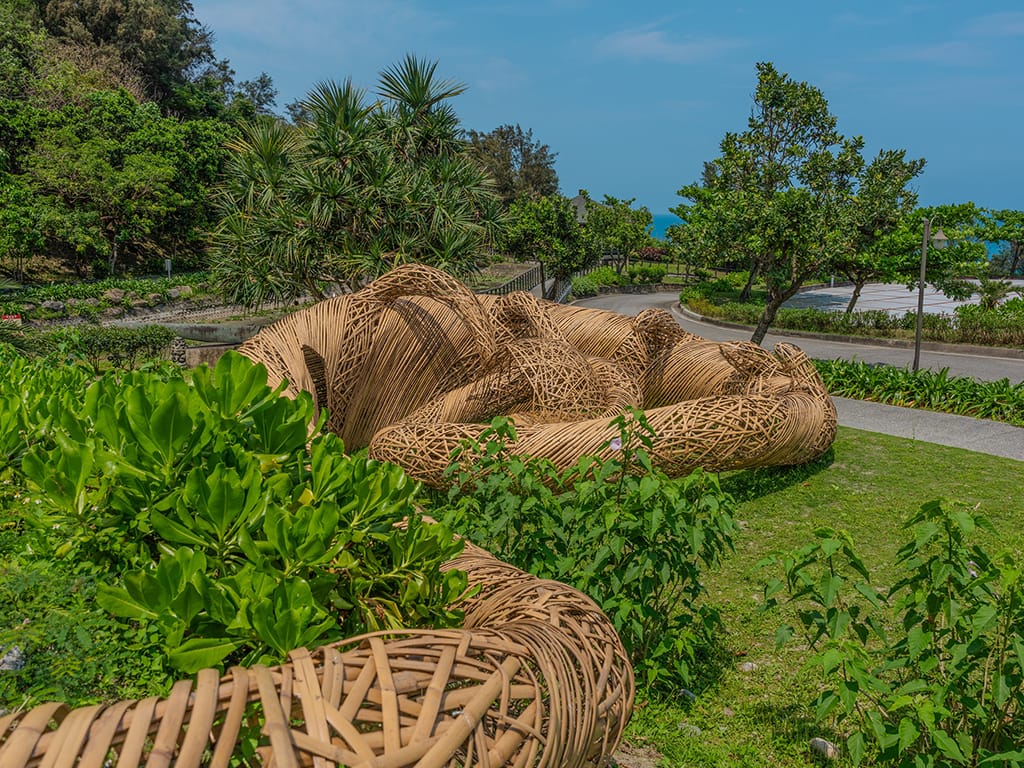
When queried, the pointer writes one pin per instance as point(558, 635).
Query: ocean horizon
point(662, 221)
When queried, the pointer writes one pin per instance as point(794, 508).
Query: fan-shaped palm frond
point(412, 85)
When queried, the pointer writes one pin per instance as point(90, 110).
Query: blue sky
point(635, 96)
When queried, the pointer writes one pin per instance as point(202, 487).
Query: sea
point(663, 221)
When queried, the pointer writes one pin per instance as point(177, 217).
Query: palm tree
point(991, 292)
point(352, 190)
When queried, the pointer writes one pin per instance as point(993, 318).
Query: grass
point(867, 484)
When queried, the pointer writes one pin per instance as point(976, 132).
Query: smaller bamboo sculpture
point(537, 677)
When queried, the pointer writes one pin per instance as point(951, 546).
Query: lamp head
point(939, 239)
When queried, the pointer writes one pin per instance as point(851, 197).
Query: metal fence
point(524, 282)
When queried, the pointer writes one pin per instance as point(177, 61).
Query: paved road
point(981, 367)
point(979, 435)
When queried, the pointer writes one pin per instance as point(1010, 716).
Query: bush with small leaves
point(929, 672)
point(617, 529)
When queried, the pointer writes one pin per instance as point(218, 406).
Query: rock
point(111, 312)
point(154, 299)
point(690, 729)
point(825, 748)
point(92, 301)
point(179, 352)
point(112, 294)
point(687, 694)
point(12, 660)
point(53, 306)
point(747, 667)
point(184, 291)
point(727, 712)
point(173, 294)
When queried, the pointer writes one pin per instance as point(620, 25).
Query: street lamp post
point(939, 241)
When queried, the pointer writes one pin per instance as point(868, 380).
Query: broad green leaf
point(118, 602)
point(201, 652)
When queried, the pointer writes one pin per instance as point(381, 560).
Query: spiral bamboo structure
point(536, 677)
point(416, 363)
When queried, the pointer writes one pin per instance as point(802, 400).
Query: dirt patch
point(630, 756)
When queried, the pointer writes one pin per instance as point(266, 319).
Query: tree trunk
point(1016, 248)
point(556, 289)
point(112, 261)
point(767, 318)
point(857, 287)
point(745, 293)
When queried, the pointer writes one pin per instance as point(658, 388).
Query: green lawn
point(868, 484)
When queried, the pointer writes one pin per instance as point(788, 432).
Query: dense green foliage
point(589, 284)
point(112, 121)
point(198, 507)
point(546, 229)
point(352, 190)
point(519, 165)
point(105, 346)
point(928, 671)
point(617, 529)
point(790, 193)
point(999, 325)
point(616, 229)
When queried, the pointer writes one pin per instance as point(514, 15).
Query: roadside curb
point(1010, 353)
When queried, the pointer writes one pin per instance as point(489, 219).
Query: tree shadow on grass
point(747, 484)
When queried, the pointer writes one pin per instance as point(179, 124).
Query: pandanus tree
point(354, 188)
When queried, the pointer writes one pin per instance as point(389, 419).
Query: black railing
point(523, 282)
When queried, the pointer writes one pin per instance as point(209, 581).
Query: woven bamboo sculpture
point(416, 363)
point(537, 677)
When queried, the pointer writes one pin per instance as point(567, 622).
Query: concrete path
point(981, 435)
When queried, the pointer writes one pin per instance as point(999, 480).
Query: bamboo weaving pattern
point(537, 677)
point(415, 363)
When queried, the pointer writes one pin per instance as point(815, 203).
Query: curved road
point(979, 435)
point(981, 367)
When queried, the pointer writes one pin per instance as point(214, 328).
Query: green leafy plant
point(615, 528)
point(223, 520)
point(999, 400)
point(646, 274)
point(930, 671)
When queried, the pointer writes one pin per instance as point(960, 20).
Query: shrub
point(217, 520)
point(738, 279)
point(931, 671)
point(122, 347)
point(617, 529)
point(999, 400)
point(590, 283)
point(646, 274)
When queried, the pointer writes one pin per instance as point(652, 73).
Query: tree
point(518, 164)
point(353, 189)
point(546, 229)
point(1006, 227)
point(784, 188)
point(964, 255)
point(119, 179)
point(878, 246)
point(159, 39)
point(616, 228)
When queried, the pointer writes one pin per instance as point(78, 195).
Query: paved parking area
point(890, 297)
